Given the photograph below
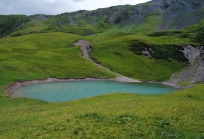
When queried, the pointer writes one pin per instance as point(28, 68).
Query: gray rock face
point(147, 52)
point(201, 60)
point(191, 54)
point(163, 14)
point(195, 71)
point(173, 14)
point(41, 17)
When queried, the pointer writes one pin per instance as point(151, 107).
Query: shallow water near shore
point(66, 91)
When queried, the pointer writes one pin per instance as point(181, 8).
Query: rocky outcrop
point(148, 52)
point(195, 71)
point(163, 14)
point(192, 54)
point(41, 17)
point(181, 13)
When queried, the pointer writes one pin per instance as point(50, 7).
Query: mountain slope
point(150, 42)
point(40, 56)
point(10, 23)
point(115, 33)
point(152, 16)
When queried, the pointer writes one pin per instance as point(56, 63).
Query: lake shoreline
point(10, 90)
point(174, 85)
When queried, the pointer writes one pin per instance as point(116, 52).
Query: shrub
point(160, 51)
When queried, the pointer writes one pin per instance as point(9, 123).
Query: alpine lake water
point(67, 91)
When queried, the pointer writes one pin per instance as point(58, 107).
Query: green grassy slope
point(194, 34)
point(11, 22)
point(40, 26)
point(141, 18)
point(43, 48)
point(113, 50)
point(42, 56)
point(175, 115)
point(33, 26)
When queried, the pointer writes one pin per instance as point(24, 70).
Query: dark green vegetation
point(195, 33)
point(159, 51)
point(11, 22)
point(41, 46)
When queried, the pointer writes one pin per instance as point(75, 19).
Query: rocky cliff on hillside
point(195, 71)
point(172, 13)
point(41, 17)
point(155, 15)
point(192, 55)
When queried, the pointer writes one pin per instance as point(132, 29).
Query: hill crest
point(148, 17)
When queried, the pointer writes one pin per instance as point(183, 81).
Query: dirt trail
point(86, 50)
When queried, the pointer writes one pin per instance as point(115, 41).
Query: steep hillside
point(116, 32)
point(130, 54)
point(161, 40)
point(152, 16)
point(40, 56)
point(155, 56)
point(10, 23)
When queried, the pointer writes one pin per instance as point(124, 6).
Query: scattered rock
point(191, 53)
point(42, 17)
point(128, 118)
point(147, 52)
point(85, 48)
point(195, 71)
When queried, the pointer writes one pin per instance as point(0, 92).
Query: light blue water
point(65, 91)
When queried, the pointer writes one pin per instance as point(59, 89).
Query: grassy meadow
point(112, 50)
point(29, 56)
point(41, 56)
point(119, 115)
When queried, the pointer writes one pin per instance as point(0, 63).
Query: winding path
point(86, 50)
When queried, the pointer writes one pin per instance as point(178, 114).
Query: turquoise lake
point(66, 91)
